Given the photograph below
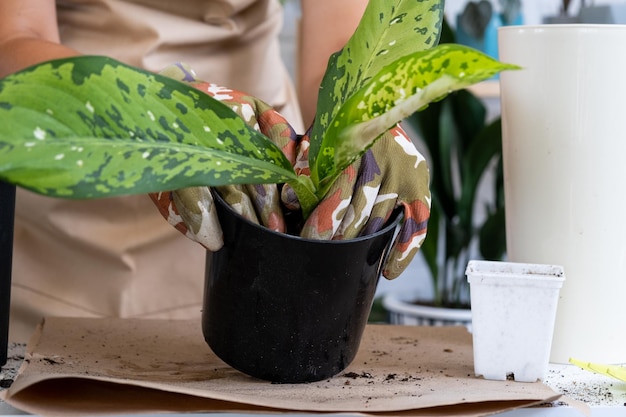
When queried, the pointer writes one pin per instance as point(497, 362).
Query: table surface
point(605, 396)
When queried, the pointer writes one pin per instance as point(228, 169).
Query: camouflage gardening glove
point(392, 174)
point(191, 210)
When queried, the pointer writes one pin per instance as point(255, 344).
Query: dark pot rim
point(395, 218)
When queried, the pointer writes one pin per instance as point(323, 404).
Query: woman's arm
point(325, 28)
point(28, 34)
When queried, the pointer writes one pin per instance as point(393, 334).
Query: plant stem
point(305, 190)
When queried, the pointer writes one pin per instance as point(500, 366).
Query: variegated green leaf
point(90, 127)
point(388, 30)
point(400, 89)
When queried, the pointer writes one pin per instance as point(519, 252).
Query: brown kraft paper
point(80, 366)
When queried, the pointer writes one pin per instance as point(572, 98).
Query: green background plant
point(462, 147)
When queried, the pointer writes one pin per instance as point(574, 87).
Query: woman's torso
point(117, 256)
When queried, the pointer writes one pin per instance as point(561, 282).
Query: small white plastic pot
point(513, 313)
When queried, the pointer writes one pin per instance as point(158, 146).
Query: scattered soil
point(592, 389)
point(15, 358)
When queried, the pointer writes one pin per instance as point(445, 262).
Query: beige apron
point(118, 257)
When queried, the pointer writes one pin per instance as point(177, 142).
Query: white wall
point(534, 10)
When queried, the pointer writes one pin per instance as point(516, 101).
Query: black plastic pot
point(286, 309)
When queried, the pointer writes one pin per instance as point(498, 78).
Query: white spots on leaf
point(58, 157)
point(371, 88)
point(89, 107)
point(145, 155)
point(402, 96)
point(151, 116)
point(207, 129)
point(49, 111)
point(77, 148)
point(392, 43)
point(175, 125)
point(79, 163)
point(39, 133)
point(29, 144)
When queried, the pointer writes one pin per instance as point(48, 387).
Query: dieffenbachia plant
point(87, 127)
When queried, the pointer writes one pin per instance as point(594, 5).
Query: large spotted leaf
point(401, 88)
point(90, 127)
point(389, 29)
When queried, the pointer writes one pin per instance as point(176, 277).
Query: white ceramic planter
point(563, 149)
point(513, 314)
point(403, 310)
